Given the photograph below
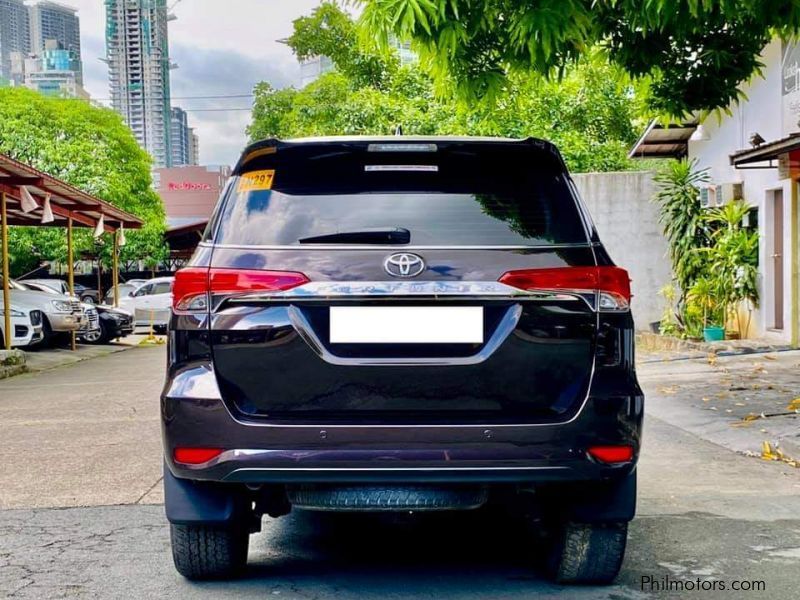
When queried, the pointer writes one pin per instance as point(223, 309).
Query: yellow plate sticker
point(255, 181)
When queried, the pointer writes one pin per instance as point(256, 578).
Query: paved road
point(80, 488)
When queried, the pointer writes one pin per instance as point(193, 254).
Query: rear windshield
point(539, 216)
point(461, 195)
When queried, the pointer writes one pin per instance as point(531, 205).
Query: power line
point(222, 96)
point(215, 109)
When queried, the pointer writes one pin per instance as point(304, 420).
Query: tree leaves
point(695, 53)
point(90, 148)
point(590, 113)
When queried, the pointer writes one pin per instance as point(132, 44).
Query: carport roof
point(65, 200)
point(768, 151)
point(659, 141)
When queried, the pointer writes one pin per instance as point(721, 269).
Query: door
point(160, 301)
point(777, 259)
point(141, 302)
point(371, 274)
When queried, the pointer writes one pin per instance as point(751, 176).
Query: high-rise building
point(53, 21)
point(53, 71)
point(180, 138)
point(15, 35)
point(137, 52)
point(194, 147)
point(313, 67)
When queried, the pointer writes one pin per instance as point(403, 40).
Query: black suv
point(401, 324)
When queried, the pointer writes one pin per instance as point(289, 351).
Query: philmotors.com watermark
point(666, 583)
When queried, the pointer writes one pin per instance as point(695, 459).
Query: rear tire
point(209, 551)
point(587, 552)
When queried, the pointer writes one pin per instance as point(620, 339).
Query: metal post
point(71, 273)
point(6, 274)
point(115, 266)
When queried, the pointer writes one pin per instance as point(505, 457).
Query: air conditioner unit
point(708, 196)
point(728, 192)
point(715, 195)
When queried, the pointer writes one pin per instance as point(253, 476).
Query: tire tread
point(589, 553)
point(386, 498)
point(208, 551)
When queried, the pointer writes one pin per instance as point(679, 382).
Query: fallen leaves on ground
point(746, 420)
point(770, 452)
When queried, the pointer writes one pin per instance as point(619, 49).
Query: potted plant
point(705, 294)
point(733, 260)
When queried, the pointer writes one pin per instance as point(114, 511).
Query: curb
point(656, 342)
point(12, 362)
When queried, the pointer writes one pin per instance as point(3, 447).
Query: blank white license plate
point(406, 325)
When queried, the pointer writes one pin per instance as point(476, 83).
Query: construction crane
point(170, 15)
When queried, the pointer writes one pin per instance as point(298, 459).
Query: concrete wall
point(627, 219)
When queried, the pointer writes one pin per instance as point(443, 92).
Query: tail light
point(611, 454)
point(612, 284)
point(195, 456)
point(190, 292)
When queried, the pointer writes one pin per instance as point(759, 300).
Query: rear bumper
point(194, 415)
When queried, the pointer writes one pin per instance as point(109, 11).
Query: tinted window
point(162, 288)
point(540, 214)
point(143, 291)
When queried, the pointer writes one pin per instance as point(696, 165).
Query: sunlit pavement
point(80, 486)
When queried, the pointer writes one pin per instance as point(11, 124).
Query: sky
point(221, 47)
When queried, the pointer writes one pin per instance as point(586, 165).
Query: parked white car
point(26, 325)
point(91, 318)
point(151, 302)
point(62, 314)
point(125, 289)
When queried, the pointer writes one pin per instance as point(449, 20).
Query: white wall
point(626, 218)
point(761, 113)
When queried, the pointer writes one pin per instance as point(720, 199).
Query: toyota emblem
point(403, 264)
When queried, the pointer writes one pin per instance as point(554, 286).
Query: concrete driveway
point(80, 486)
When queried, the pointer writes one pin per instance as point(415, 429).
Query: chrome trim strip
point(434, 289)
point(397, 469)
point(507, 324)
point(236, 453)
point(416, 290)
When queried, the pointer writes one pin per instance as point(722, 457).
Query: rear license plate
point(406, 325)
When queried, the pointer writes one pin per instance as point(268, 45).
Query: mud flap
point(188, 502)
point(600, 502)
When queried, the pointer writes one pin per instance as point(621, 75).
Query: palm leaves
point(714, 257)
point(682, 220)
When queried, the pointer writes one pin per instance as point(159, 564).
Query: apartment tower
point(15, 35)
point(137, 52)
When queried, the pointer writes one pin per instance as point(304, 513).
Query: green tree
point(329, 31)
point(683, 220)
point(590, 113)
point(693, 53)
point(90, 148)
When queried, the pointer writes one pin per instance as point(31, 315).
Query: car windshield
point(535, 216)
point(15, 285)
point(42, 288)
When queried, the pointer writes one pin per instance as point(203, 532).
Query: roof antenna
point(398, 130)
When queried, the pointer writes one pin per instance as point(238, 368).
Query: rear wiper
point(375, 235)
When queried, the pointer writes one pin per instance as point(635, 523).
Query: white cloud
point(221, 47)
